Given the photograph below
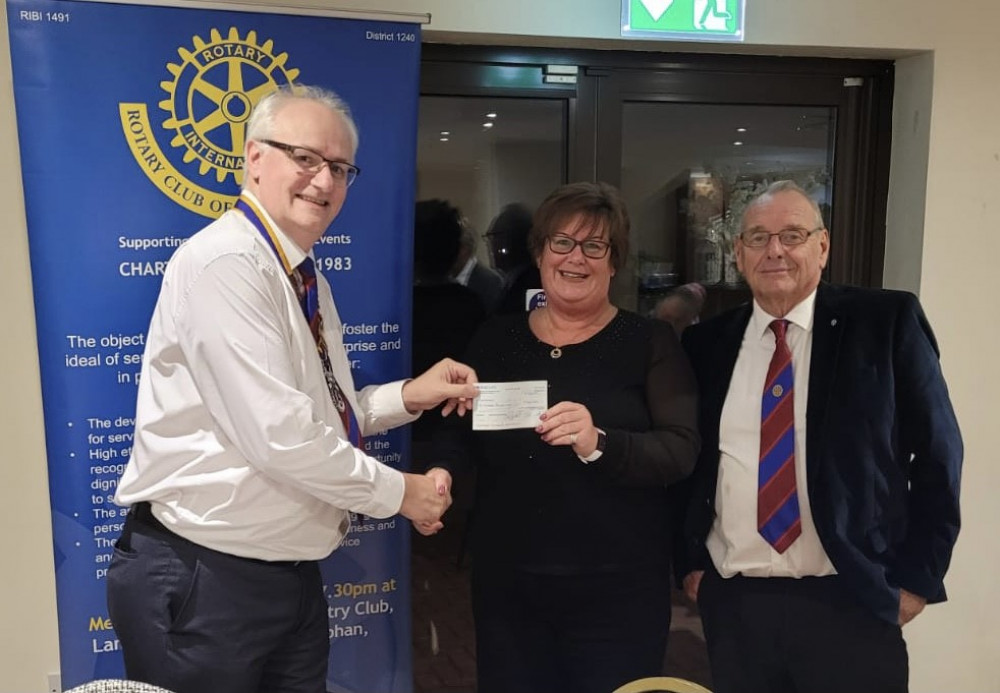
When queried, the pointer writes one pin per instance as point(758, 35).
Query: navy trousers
point(194, 620)
point(808, 635)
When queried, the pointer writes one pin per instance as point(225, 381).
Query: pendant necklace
point(556, 352)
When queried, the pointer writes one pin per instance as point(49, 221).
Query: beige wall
point(944, 239)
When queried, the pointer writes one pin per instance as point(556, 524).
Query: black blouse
point(538, 506)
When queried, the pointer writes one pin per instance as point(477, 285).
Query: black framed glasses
point(787, 237)
point(312, 161)
point(561, 244)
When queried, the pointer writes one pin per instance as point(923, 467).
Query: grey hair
point(783, 186)
point(261, 121)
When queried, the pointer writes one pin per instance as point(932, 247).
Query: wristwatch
point(602, 442)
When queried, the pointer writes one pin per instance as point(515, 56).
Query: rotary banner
point(131, 122)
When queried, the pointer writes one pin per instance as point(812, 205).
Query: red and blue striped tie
point(778, 519)
point(304, 280)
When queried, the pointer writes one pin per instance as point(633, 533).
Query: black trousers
point(590, 633)
point(809, 635)
point(194, 620)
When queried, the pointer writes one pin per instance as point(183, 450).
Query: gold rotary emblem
point(211, 94)
point(777, 390)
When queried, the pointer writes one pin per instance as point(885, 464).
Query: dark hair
point(508, 237)
point(600, 209)
point(437, 236)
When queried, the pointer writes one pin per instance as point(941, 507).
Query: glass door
point(483, 153)
point(688, 171)
point(688, 151)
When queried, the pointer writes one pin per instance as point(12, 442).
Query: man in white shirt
point(246, 459)
point(823, 509)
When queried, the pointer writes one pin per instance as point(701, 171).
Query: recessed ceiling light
point(444, 139)
point(737, 143)
point(445, 133)
point(741, 129)
point(487, 124)
point(491, 115)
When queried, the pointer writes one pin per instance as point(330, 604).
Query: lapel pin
point(833, 322)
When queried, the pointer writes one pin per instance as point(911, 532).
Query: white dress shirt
point(463, 276)
point(734, 543)
point(238, 445)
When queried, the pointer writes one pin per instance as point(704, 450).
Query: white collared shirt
point(463, 276)
point(238, 445)
point(734, 543)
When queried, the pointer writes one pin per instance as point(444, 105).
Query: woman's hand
point(569, 423)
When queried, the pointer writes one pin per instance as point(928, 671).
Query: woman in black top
point(571, 538)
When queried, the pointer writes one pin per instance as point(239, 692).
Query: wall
point(943, 239)
point(28, 645)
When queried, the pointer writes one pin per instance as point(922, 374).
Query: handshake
point(426, 497)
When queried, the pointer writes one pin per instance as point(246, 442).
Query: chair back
point(654, 684)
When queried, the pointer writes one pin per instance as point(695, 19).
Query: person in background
point(485, 282)
point(445, 313)
point(247, 455)
point(570, 534)
point(681, 307)
point(825, 504)
point(508, 240)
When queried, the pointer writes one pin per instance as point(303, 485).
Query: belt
point(142, 513)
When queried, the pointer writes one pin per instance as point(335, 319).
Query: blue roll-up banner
point(131, 121)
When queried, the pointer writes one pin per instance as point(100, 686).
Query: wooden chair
point(654, 684)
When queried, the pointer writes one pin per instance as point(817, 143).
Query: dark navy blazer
point(883, 448)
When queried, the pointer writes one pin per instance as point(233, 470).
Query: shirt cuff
point(388, 496)
point(386, 408)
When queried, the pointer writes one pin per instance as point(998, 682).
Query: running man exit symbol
point(698, 20)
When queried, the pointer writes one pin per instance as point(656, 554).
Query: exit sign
point(684, 20)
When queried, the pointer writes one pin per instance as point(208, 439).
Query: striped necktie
point(304, 280)
point(778, 519)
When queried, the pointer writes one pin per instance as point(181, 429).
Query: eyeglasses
point(311, 161)
point(788, 237)
point(561, 244)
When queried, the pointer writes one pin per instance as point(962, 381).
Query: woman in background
point(571, 531)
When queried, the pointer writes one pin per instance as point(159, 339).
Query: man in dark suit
point(823, 510)
point(484, 281)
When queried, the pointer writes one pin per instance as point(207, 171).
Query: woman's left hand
point(569, 423)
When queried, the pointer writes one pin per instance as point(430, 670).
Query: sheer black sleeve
point(665, 453)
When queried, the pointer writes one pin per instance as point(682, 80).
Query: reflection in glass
point(688, 171)
point(497, 151)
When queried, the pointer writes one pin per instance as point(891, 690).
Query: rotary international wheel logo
point(210, 94)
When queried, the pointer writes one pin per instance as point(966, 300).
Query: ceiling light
point(737, 143)
point(491, 115)
point(444, 139)
point(487, 124)
point(445, 133)
point(741, 129)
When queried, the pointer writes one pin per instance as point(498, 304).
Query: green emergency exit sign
point(684, 20)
